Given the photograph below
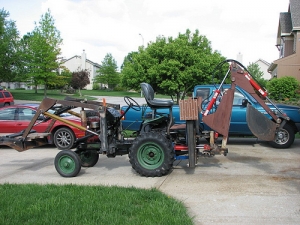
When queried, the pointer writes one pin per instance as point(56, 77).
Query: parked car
point(238, 124)
point(16, 118)
point(6, 98)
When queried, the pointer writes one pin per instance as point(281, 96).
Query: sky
point(233, 27)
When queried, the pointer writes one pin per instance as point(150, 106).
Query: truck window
point(238, 98)
point(203, 93)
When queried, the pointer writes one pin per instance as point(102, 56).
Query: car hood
point(290, 107)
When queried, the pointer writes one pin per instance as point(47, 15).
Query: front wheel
point(67, 163)
point(64, 138)
point(151, 155)
point(284, 137)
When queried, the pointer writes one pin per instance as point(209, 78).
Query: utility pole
point(142, 39)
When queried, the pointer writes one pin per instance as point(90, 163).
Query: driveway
point(254, 184)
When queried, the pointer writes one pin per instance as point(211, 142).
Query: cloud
point(114, 26)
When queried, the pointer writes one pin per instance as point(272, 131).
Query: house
point(288, 43)
point(78, 63)
point(263, 66)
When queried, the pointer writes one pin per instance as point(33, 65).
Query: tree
point(172, 66)
point(80, 79)
point(255, 71)
point(283, 88)
point(42, 48)
point(107, 74)
point(9, 38)
point(62, 80)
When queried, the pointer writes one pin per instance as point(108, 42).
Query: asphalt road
point(253, 184)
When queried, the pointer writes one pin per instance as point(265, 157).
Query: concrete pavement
point(254, 184)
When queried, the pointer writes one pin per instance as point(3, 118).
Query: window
point(26, 114)
point(8, 114)
point(203, 93)
point(7, 94)
point(238, 98)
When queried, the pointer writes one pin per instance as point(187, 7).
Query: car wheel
point(284, 137)
point(64, 138)
point(6, 104)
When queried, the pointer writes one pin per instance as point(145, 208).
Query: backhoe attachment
point(261, 126)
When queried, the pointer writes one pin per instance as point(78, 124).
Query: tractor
point(159, 142)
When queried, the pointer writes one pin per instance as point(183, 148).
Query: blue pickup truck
point(238, 124)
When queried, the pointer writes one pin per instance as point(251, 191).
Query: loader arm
point(28, 138)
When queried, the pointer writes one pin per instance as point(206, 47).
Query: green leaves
point(107, 74)
point(172, 66)
point(40, 50)
point(283, 88)
point(9, 37)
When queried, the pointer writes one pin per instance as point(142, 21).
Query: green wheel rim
point(66, 164)
point(150, 156)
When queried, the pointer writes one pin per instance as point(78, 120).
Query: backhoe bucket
point(260, 125)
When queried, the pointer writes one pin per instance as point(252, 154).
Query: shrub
point(283, 88)
point(96, 86)
point(119, 88)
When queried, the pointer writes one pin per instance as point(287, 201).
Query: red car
point(6, 98)
point(16, 118)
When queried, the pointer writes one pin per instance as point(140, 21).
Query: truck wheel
point(88, 158)
point(67, 163)
point(151, 155)
point(64, 138)
point(284, 138)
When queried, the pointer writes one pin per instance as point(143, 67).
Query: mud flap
point(260, 125)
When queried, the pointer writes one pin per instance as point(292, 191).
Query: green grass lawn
point(72, 204)
point(75, 204)
point(57, 94)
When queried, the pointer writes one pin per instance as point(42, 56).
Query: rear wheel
point(88, 158)
point(284, 137)
point(151, 155)
point(190, 127)
point(67, 163)
point(64, 138)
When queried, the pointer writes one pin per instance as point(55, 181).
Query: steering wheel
point(132, 103)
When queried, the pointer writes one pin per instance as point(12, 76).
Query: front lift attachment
point(28, 138)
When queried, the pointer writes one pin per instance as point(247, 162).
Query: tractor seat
point(154, 103)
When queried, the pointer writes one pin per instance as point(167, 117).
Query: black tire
point(151, 155)
point(88, 158)
point(67, 163)
point(191, 140)
point(284, 138)
point(64, 138)
point(6, 104)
